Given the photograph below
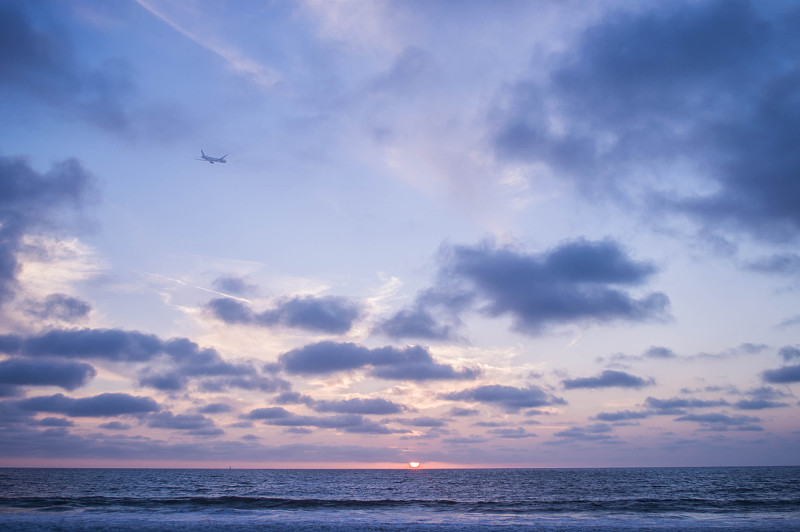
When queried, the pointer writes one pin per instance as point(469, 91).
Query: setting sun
point(413, 465)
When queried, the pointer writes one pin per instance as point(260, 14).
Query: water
point(750, 498)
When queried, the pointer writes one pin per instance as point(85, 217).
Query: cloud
point(359, 406)
point(660, 407)
point(114, 425)
point(25, 442)
point(789, 322)
point(231, 284)
point(624, 415)
point(511, 433)
point(789, 352)
point(104, 344)
point(61, 307)
point(508, 398)
point(334, 315)
point(608, 379)
point(414, 323)
point(103, 405)
point(55, 422)
point(598, 432)
point(652, 353)
point(215, 408)
point(704, 86)
point(745, 348)
point(758, 404)
point(195, 424)
point(721, 422)
point(31, 201)
point(273, 412)
point(24, 372)
point(172, 363)
point(578, 281)
point(676, 405)
point(784, 375)
point(410, 363)
point(348, 422)
point(656, 352)
point(39, 61)
point(780, 263)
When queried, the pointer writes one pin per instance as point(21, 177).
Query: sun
point(413, 465)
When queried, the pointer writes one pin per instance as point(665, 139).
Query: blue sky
point(469, 234)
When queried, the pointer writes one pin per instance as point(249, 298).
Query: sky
point(470, 234)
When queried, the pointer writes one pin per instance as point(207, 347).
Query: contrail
point(184, 283)
point(252, 69)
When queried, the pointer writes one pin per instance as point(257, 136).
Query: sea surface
point(736, 498)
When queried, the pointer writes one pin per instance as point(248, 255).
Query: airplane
point(212, 160)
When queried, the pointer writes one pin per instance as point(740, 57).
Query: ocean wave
point(179, 504)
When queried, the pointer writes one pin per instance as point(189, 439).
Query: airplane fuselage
point(212, 160)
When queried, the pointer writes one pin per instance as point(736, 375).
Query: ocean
point(719, 498)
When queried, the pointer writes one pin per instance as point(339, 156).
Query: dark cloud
point(231, 311)
point(39, 62)
point(703, 85)
point(608, 379)
point(656, 352)
point(508, 398)
point(334, 315)
point(32, 201)
point(231, 284)
point(576, 282)
point(215, 408)
point(758, 404)
point(55, 422)
point(61, 307)
point(8, 390)
point(742, 349)
point(23, 441)
point(244, 382)
point(171, 363)
point(195, 424)
point(359, 406)
point(410, 363)
point(415, 323)
point(780, 263)
point(511, 433)
point(103, 405)
point(273, 412)
point(784, 375)
point(114, 425)
point(789, 352)
point(676, 405)
point(598, 432)
point(25, 372)
point(624, 415)
point(348, 422)
point(292, 398)
point(103, 344)
point(720, 422)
